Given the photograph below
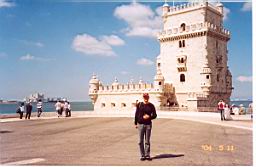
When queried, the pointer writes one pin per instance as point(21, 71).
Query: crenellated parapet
point(133, 88)
point(194, 30)
point(190, 7)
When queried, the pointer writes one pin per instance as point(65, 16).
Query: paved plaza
point(114, 141)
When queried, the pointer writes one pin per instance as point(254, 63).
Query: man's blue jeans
point(144, 133)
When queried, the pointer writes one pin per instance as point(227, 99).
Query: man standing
point(145, 112)
point(28, 110)
point(221, 105)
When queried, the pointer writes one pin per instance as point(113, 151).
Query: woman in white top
point(227, 112)
point(39, 107)
point(22, 109)
point(58, 107)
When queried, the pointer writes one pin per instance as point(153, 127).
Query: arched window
point(158, 64)
point(218, 77)
point(160, 83)
point(103, 105)
point(183, 43)
point(207, 76)
point(180, 44)
point(183, 26)
point(182, 78)
point(182, 60)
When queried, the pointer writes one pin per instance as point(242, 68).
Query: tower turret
point(93, 88)
point(159, 80)
point(220, 7)
point(115, 83)
point(166, 8)
point(206, 79)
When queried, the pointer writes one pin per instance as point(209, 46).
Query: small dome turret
point(159, 81)
point(115, 83)
point(166, 8)
point(141, 81)
point(93, 88)
point(220, 7)
point(159, 76)
point(94, 80)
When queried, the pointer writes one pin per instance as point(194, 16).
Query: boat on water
point(8, 102)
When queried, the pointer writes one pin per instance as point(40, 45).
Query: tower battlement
point(193, 29)
point(189, 7)
point(131, 88)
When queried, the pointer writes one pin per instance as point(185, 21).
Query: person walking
point(28, 110)
point(145, 112)
point(21, 109)
point(66, 108)
point(58, 108)
point(39, 107)
point(227, 112)
point(69, 109)
point(221, 105)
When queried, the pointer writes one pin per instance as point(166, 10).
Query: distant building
point(191, 69)
point(35, 97)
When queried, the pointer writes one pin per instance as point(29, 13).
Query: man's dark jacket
point(143, 109)
point(29, 107)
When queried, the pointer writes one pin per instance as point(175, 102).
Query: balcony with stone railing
point(196, 96)
point(193, 28)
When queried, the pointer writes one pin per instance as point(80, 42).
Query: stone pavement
point(114, 141)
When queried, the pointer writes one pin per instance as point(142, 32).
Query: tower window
point(218, 77)
point(123, 105)
point(182, 43)
point(183, 26)
point(207, 76)
point(160, 83)
point(182, 60)
point(158, 64)
point(113, 104)
point(182, 78)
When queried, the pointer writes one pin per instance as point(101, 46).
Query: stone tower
point(193, 54)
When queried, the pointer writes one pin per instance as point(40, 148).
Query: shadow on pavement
point(5, 131)
point(160, 156)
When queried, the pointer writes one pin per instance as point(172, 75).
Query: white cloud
point(244, 78)
point(226, 11)
point(88, 44)
point(32, 43)
point(6, 3)
point(247, 6)
point(27, 57)
point(144, 62)
point(113, 40)
point(141, 19)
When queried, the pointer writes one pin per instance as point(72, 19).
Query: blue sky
point(53, 47)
